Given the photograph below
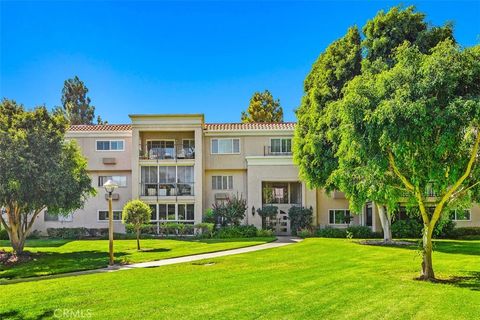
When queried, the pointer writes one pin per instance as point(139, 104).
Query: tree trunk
point(138, 239)
point(17, 237)
point(427, 266)
point(386, 223)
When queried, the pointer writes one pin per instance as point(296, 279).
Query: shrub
point(236, 232)
point(35, 234)
point(361, 232)
point(76, 233)
point(329, 232)
point(410, 228)
point(300, 218)
point(231, 212)
point(4, 234)
point(206, 229)
point(264, 233)
point(466, 233)
point(209, 216)
point(445, 228)
point(176, 229)
point(267, 212)
point(305, 233)
point(144, 229)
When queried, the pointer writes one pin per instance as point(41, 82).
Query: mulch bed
point(9, 259)
point(387, 244)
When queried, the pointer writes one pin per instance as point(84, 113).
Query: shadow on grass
point(16, 315)
point(444, 246)
point(470, 281)
point(38, 243)
point(152, 250)
point(48, 263)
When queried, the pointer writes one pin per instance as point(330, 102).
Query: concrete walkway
point(280, 242)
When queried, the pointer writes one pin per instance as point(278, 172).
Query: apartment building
point(181, 166)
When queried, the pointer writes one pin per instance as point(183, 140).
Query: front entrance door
point(281, 226)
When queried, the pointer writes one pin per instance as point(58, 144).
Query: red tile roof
point(99, 127)
point(250, 126)
point(208, 127)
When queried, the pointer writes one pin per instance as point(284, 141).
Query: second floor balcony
point(180, 189)
point(167, 151)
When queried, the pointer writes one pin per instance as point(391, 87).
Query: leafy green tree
point(137, 214)
point(38, 169)
point(300, 218)
point(76, 104)
point(317, 135)
point(231, 212)
point(263, 108)
point(418, 124)
point(267, 212)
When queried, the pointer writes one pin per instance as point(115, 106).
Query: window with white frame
point(281, 145)
point(222, 182)
point(461, 215)
point(103, 215)
point(225, 146)
point(110, 145)
point(339, 216)
point(58, 217)
point(121, 181)
point(154, 214)
point(175, 212)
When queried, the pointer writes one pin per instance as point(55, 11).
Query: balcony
point(180, 189)
point(276, 151)
point(168, 153)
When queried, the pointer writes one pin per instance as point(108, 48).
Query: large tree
point(38, 169)
point(76, 105)
point(317, 136)
point(418, 125)
point(263, 108)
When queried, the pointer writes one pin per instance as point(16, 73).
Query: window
point(339, 216)
point(222, 182)
point(153, 216)
point(176, 212)
point(103, 215)
point(167, 174)
point(58, 217)
point(283, 145)
point(161, 149)
point(110, 145)
point(185, 174)
point(225, 146)
point(461, 215)
point(120, 180)
point(282, 192)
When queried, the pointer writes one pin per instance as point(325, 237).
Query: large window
point(281, 145)
point(339, 216)
point(225, 146)
point(461, 215)
point(222, 182)
point(121, 181)
point(161, 149)
point(103, 215)
point(176, 212)
point(282, 192)
point(110, 145)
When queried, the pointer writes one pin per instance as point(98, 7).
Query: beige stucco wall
point(239, 185)
point(474, 218)
point(326, 202)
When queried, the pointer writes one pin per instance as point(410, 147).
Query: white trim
point(110, 143)
point(219, 153)
point(98, 134)
point(281, 145)
point(270, 160)
point(257, 132)
point(98, 215)
point(469, 215)
point(176, 211)
point(339, 224)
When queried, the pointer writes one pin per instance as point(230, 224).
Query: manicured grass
point(315, 279)
point(60, 256)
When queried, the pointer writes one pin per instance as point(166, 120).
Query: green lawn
point(315, 279)
point(60, 256)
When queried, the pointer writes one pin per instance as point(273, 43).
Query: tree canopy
point(38, 169)
point(76, 105)
point(263, 108)
point(136, 213)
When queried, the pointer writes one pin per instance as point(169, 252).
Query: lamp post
point(110, 186)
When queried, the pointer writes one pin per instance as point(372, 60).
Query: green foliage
point(206, 229)
point(236, 232)
point(209, 216)
point(75, 103)
point(329, 232)
point(410, 228)
point(266, 213)
point(136, 213)
point(264, 233)
point(39, 169)
point(305, 233)
point(470, 233)
point(356, 232)
point(263, 108)
point(300, 218)
point(77, 233)
point(231, 212)
point(4, 234)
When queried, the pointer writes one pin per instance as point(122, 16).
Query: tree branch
point(30, 224)
point(4, 223)
point(405, 181)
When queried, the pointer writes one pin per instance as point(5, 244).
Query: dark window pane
point(181, 212)
point(162, 212)
point(190, 212)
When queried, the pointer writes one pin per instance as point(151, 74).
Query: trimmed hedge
point(357, 232)
point(236, 232)
point(471, 233)
point(77, 233)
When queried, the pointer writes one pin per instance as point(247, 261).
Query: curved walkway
point(280, 242)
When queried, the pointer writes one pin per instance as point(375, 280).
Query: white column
point(198, 174)
point(135, 163)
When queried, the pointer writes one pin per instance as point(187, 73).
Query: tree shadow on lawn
point(450, 246)
point(17, 315)
point(38, 243)
point(48, 263)
point(470, 281)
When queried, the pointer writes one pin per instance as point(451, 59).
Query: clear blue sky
point(183, 57)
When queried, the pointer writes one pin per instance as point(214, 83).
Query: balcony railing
point(167, 153)
point(268, 151)
point(166, 189)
